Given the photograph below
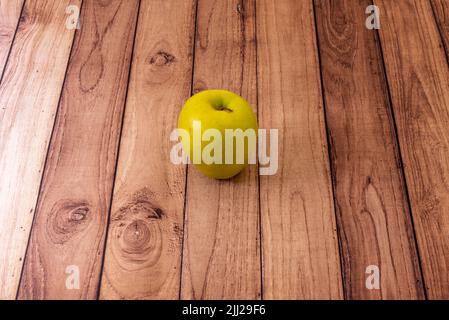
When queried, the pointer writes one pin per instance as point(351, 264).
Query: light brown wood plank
point(373, 214)
point(418, 76)
point(71, 217)
point(9, 18)
point(300, 248)
point(221, 243)
point(143, 254)
point(29, 95)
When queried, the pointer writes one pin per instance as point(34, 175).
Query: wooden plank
point(300, 248)
point(419, 80)
point(441, 12)
point(10, 11)
point(371, 200)
point(143, 254)
point(221, 243)
point(29, 96)
point(71, 217)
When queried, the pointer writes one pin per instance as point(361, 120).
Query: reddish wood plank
point(29, 95)
point(300, 249)
point(374, 218)
point(441, 12)
point(221, 244)
point(143, 254)
point(418, 76)
point(71, 216)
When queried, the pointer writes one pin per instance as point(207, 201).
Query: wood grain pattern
point(91, 184)
point(419, 80)
point(300, 248)
point(441, 12)
point(221, 243)
point(374, 218)
point(71, 217)
point(143, 254)
point(9, 18)
point(29, 96)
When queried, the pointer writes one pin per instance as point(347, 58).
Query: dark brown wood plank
point(418, 76)
point(300, 248)
point(143, 254)
point(70, 221)
point(221, 245)
point(29, 94)
point(372, 209)
point(441, 12)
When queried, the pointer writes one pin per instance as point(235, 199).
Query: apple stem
point(223, 108)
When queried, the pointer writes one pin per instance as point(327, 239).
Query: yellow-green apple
point(219, 133)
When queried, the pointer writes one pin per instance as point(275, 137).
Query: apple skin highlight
point(220, 110)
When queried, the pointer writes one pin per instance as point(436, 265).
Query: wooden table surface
point(88, 191)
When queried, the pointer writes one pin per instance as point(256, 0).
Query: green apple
point(218, 112)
